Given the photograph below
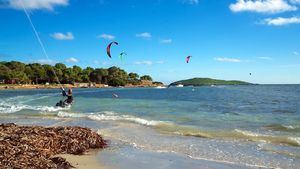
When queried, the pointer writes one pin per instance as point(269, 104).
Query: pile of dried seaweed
point(35, 146)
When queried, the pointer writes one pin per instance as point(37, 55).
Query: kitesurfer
point(69, 96)
point(69, 99)
point(115, 95)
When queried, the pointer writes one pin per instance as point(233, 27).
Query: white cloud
point(145, 35)
point(107, 36)
point(61, 36)
point(166, 41)
point(72, 60)
point(191, 2)
point(295, 1)
point(146, 62)
point(35, 4)
point(224, 59)
point(281, 21)
point(296, 53)
point(262, 6)
point(46, 61)
point(265, 58)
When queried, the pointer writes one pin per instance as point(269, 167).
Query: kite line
point(39, 39)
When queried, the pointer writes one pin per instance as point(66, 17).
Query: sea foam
point(115, 117)
point(110, 116)
point(8, 108)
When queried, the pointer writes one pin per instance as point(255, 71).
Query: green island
point(207, 82)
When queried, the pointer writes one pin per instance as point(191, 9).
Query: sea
point(248, 126)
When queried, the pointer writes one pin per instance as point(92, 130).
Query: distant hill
point(208, 81)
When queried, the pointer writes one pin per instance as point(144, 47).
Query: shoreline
point(97, 86)
point(24, 87)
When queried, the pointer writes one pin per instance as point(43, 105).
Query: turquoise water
point(259, 124)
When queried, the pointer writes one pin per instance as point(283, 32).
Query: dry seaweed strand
point(34, 146)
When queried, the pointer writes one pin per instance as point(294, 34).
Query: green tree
point(133, 78)
point(117, 77)
point(59, 73)
point(99, 76)
point(59, 69)
point(69, 76)
point(50, 75)
point(39, 73)
point(77, 73)
point(146, 77)
point(16, 66)
point(4, 72)
point(158, 83)
point(21, 77)
point(85, 75)
point(60, 66)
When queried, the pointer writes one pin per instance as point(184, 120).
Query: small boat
point(179, 85)
point(160, 87)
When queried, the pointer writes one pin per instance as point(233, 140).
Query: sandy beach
point(87, 161)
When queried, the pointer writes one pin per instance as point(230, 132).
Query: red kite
point(188, 59)
point(108, 48)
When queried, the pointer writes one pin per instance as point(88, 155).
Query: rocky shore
point(56, 86)
point(38, 147)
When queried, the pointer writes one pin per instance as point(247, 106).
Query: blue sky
point(228, 39)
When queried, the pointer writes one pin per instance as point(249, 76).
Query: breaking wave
point(114, 117)
point(111, 116)
point(190, 131)
point(8, 108)
point(280, 127)
point(18, 103)
point(252, 136)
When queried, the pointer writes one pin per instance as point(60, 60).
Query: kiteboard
point(63, 104)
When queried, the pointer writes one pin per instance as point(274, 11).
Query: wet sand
point(84, 161)
point(129, 157)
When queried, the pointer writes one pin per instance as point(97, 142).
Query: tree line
point(36, 73)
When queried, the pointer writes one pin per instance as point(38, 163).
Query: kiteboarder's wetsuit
point(69, 96)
